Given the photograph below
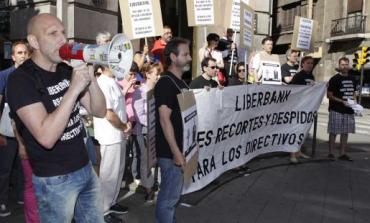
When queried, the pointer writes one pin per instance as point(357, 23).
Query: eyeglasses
point(241, 70)
point(213, 67)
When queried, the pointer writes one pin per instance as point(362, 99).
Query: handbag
point(6, 128)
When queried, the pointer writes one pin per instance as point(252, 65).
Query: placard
point(247, 25)
point(303, 34)
point(189, 118)
point(151, 150)
point(141, 18)
point(200, 12)
point(231, 15)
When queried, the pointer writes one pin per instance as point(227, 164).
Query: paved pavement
point(273, 191)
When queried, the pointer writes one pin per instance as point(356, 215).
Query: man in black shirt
point(304, 76)
point(210, 70)
point(46, 95)
point(290, 68)
point(341, 87)
point(169, 129)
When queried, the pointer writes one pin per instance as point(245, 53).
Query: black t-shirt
point(165, 93)
point(302, 78)
point(201, 82)
point(343, 87)
point(234, 81)
point(31, 84)
point(288, 71)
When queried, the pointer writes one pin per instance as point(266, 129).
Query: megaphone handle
point(76, 63)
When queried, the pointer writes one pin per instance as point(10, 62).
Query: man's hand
point(145, 50)
point(3, 141)
point(81, 78)
point(179, 160)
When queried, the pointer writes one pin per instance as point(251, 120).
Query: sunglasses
point(241, 70)
point(213, 67)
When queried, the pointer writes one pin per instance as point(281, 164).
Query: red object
point(221, 78)
point(72, 51)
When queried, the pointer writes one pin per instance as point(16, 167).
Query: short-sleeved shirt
point(342, 87)
point(30, 84)
point(302, 78)
point(165, 93)
point(201, 82)
point(288, 71)
point(104, 131)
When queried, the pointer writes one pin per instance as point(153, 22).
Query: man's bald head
point(40, 21)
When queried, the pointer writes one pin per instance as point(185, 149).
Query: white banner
point(239, 123)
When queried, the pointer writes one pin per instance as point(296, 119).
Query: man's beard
point(186, 68)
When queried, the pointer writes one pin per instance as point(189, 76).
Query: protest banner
point(303, 34)
point(141, 18)
point(239, 123)
point(189, 118)
point(200, 12)
point(151, 150)
point(246, 25)
point(231, 15)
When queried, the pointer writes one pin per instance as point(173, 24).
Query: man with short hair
point(210, 70)
point(169, 129)
point(45, 95)
point(8, 151)
point(341, 89)
point(160, 44)
point(256, 66)
point(290, 68)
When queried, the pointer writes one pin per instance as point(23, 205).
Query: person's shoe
point(331, 156)
point(110, 218)
point(20, 202)
point(118, 209)
point(4, 211)
point(293, 160)
point(304, 156)
point(149, 197)
point(345, 157)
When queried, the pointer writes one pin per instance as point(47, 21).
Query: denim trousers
point(170, 190)
point(74, 195)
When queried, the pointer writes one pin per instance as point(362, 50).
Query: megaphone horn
point(117, 55)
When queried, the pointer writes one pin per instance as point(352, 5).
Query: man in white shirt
point(109, 131)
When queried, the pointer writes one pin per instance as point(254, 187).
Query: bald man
point(46, 96)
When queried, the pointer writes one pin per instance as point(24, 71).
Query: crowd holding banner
point(220, 128)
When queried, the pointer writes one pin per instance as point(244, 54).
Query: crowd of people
point(70, 130)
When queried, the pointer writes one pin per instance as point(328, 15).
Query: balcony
point(346, 26)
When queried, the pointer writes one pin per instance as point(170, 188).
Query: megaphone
point(117, 55)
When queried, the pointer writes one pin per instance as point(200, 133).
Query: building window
point(286, 16)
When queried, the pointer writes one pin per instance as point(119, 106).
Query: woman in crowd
point(239, 75)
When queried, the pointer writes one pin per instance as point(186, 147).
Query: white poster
point(204, 12)
point(235, 15)
point(247, 28)
point(239, 123)
point(270, 72)
point(189, 122)
point(304, 34)
point(142, 18)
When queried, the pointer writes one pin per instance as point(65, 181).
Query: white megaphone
point(117, 55)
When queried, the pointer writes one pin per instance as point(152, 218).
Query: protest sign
point(303, 34)
point(200, 12)
point(141, 18)
point(152, 158)
point(246, 25)
point(189, 118)
point(231, 15)
point(269, 68)
point(239, 123)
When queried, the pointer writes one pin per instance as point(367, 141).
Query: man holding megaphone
point(45, 95)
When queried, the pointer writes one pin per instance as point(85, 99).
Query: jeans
point(170, 190)
point(73, 195)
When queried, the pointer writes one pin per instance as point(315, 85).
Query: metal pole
point(361, 83)
point(314, 136)
point(232, 55)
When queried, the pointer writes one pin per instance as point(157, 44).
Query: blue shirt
point(4, 78)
